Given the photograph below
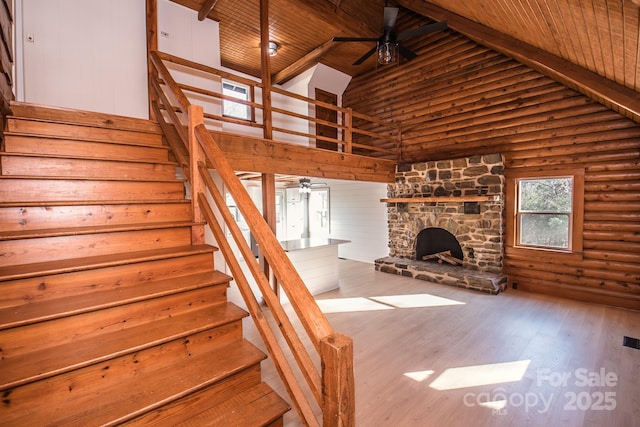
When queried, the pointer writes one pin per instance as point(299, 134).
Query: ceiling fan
point(388, 44)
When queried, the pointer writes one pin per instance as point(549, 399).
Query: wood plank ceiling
point(599, 36)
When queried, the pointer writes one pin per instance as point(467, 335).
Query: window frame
point(576, 217)
point(250, 116)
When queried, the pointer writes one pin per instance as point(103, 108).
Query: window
point(319, 212)
point(544, 211)
point(236, 109)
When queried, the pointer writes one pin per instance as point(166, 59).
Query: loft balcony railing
point(293, 116)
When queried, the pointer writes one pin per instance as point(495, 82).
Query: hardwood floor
point(433, 355)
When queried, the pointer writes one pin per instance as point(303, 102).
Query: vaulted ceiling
point(590, 45)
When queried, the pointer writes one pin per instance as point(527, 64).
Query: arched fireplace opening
point(435, 240)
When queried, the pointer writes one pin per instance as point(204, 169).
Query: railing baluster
point(270, 340)
point(348, 137)
point(196, 156)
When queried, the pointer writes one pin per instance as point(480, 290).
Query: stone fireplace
point(459, 199)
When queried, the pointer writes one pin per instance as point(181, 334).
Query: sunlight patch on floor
point(416, 301)
point(472, 376)
point(390, 302)
point(495, 405)
point(419, 376)
point(345, 305)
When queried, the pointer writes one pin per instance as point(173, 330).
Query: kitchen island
point(316, 260)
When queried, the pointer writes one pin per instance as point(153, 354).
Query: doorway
point(327, 115)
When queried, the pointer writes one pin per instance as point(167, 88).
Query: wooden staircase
point(110, 312)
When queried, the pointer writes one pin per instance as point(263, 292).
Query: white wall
point(358, 215)
point(85, 54)
point(319, 76)
point(181, 34)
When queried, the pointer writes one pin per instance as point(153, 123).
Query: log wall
point(6, 55)
point(460, 99)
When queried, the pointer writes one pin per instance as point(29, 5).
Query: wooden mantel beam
point(610, 93)
point(206, 9)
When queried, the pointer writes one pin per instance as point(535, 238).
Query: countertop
point(308, 243)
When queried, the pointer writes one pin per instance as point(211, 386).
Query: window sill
point(541, 254)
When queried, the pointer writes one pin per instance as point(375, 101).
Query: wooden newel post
point(195, 114)
point(338, 388)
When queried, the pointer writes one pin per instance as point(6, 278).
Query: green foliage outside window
point(544, 211)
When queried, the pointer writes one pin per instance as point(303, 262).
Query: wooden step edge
point(25, 271)
point(99, 229)
point(102, 159)
point(92, 140)
point(93, 118)
point(257, 406)
point(243, 351)
point(57, 308)
point(82, 353)
point(92, 203)
point(73, 178)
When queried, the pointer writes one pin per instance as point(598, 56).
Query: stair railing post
point(338, 387)
point(348, 137)
point(195, 116)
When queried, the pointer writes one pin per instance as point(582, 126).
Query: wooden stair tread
point(74, 231)
point(255, 406)
point(92, 202)
point(90, 118)
point(78, 264)
point(49, 309)
point(106, 179)
point(63, 358)
point(79, 131)
point(10, 133)
point(119, 394)
point(258, 406)
point(103, 159)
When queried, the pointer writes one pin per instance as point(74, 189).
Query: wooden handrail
point(207, 69)
point(333, 388)
point(313, 320)
point(169, 81)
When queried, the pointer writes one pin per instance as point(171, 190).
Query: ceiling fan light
point(387, 53)
point(273, 48)
point(305, 186)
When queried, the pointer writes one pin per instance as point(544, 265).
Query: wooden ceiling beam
point(252, 154)
point(304, 63)
point(620, 97)
point(206, 9)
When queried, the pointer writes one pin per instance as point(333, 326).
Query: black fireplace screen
point(435, 240)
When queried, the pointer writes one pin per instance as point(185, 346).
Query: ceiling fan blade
point(354, 39)
point(366, 55)
point(390, 16)
point(408, 54)
point(439, 26)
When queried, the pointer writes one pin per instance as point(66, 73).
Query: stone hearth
point(463, 196)
point(444, 274)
